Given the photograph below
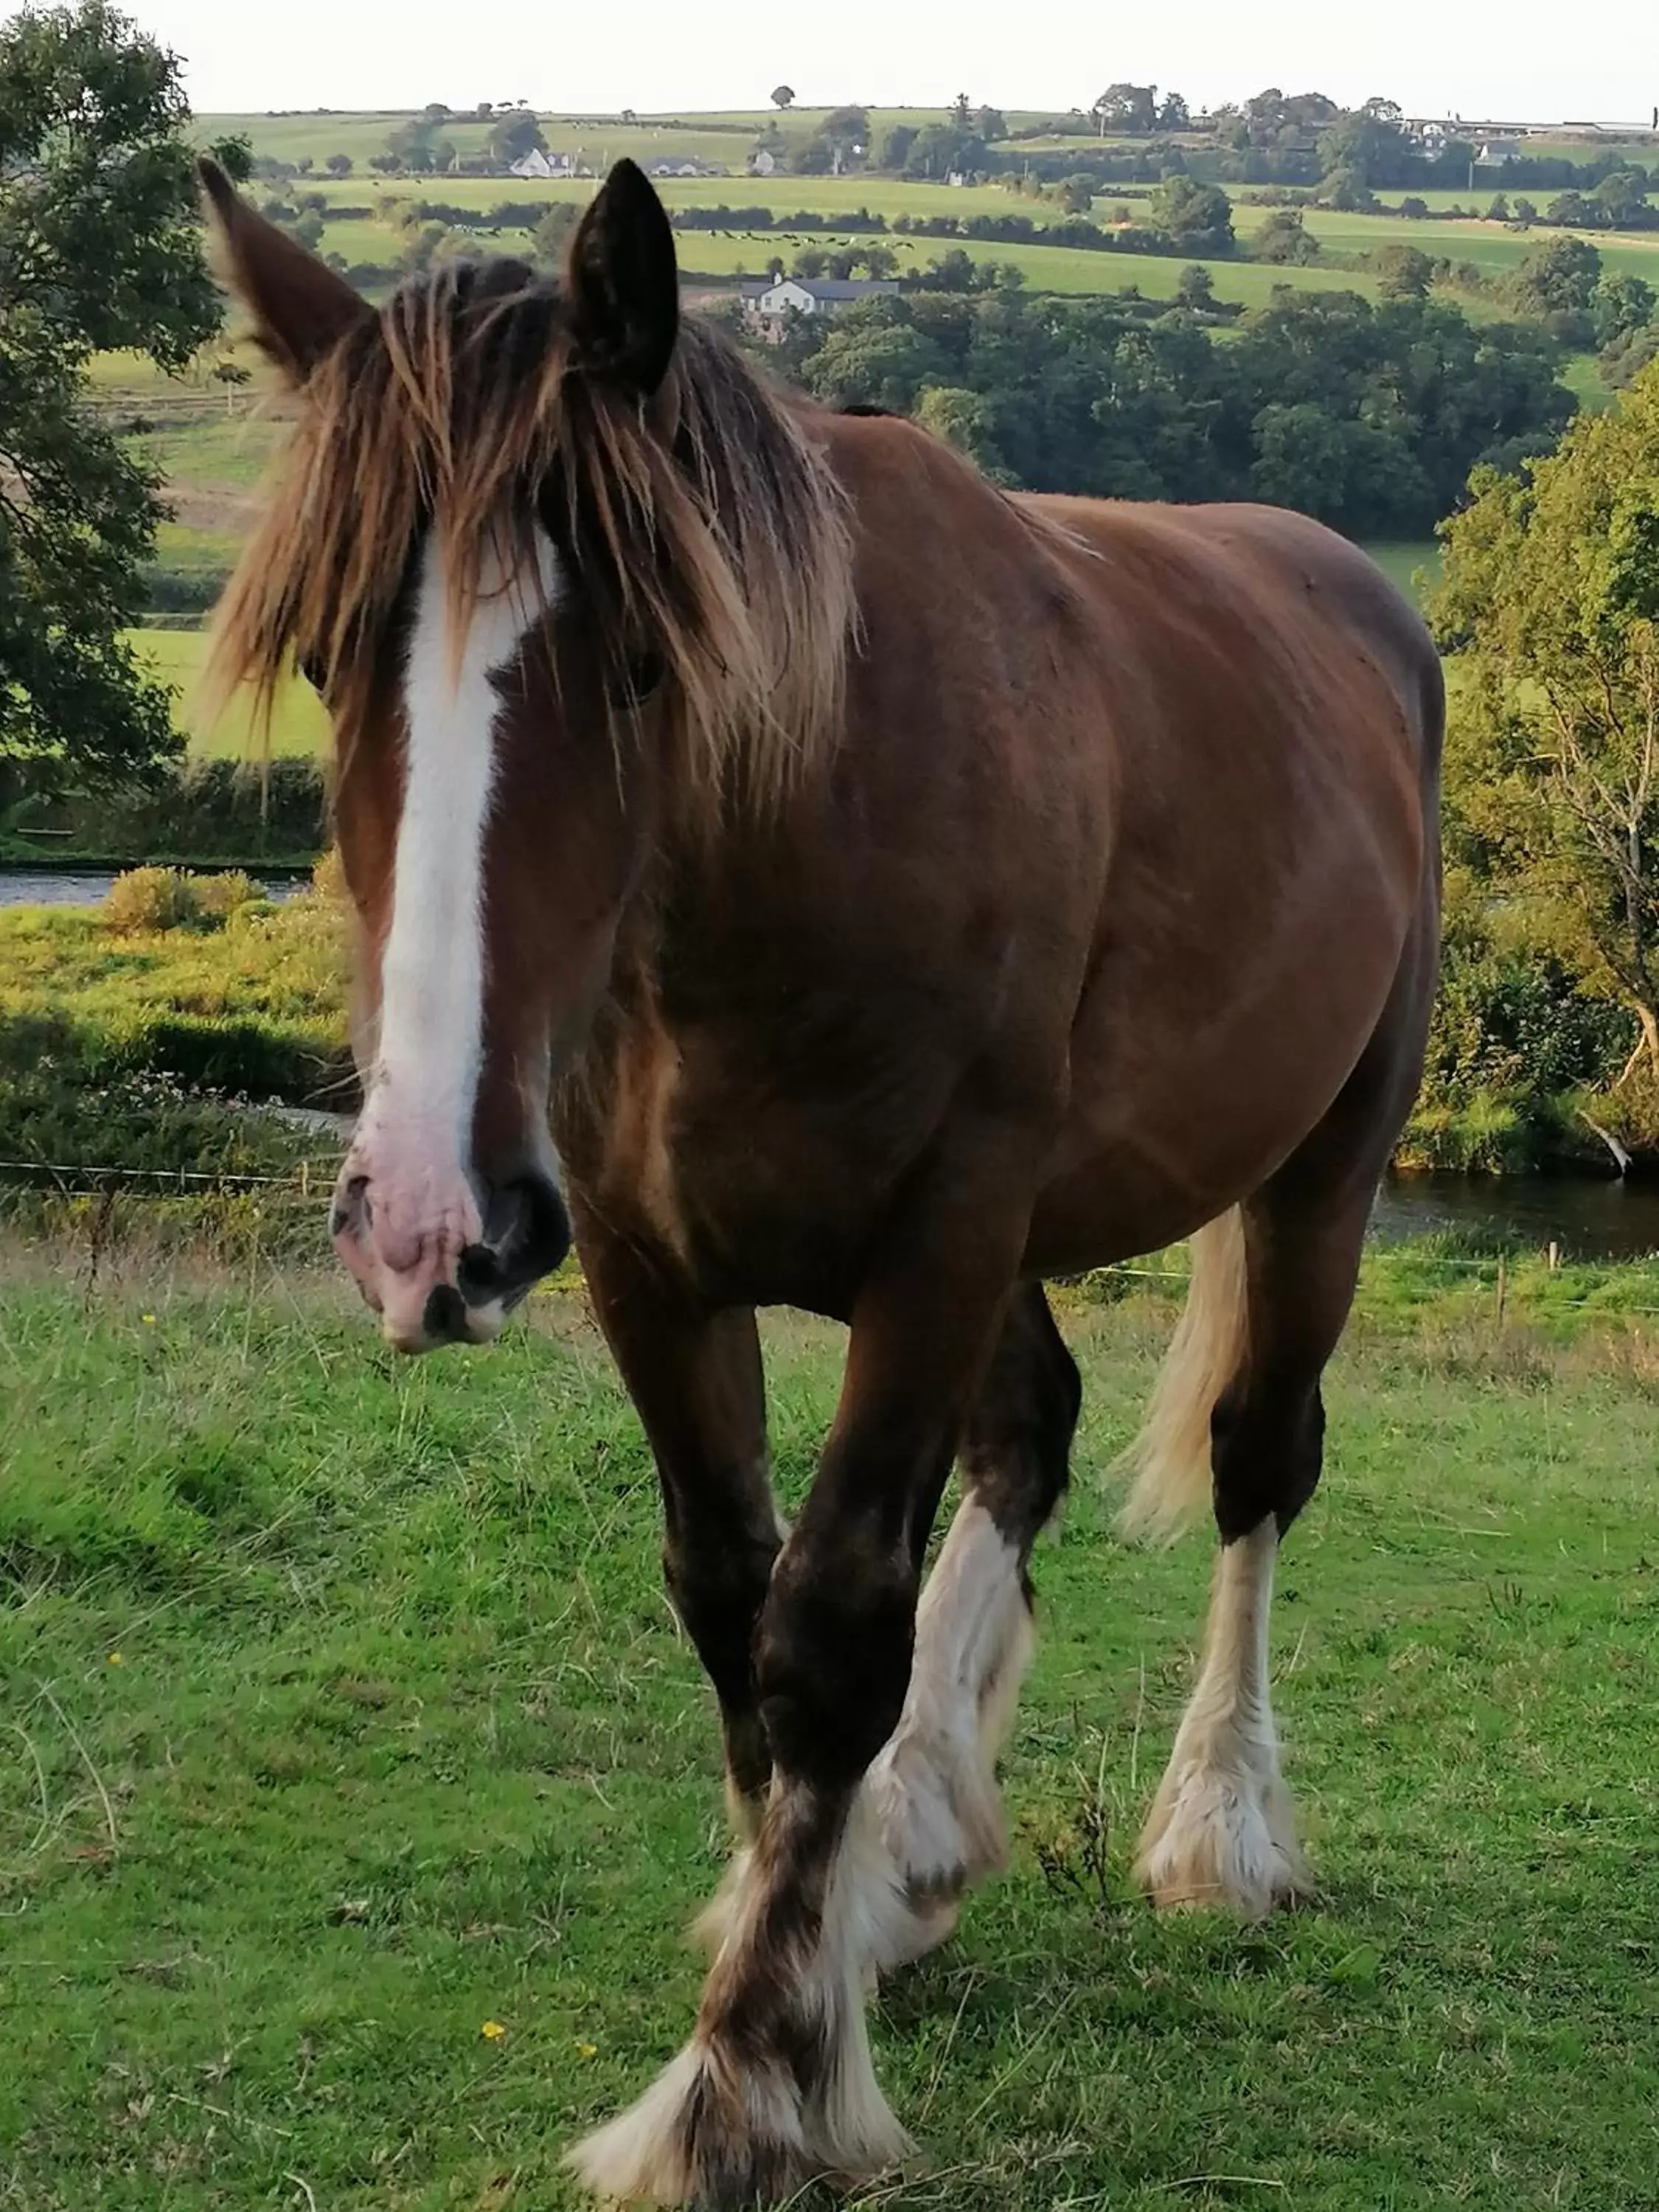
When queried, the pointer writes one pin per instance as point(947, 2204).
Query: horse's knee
point(1267, 1448)
point(832, 1660)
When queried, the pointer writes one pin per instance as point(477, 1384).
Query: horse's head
point(436, 562)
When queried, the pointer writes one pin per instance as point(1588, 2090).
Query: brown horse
point(900, 893)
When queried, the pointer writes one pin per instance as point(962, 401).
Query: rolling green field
point(299, 724)
point(359, 1786)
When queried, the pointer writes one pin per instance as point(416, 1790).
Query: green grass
point(299, 723)
point(344, 1714)
point(1412, 566)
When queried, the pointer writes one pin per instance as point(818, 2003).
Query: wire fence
point(312, 1178)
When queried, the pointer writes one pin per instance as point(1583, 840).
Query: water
point(1588, 1219)
point(58, 887)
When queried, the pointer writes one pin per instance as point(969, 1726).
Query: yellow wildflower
point(492, 2030)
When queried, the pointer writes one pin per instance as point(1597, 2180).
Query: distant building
point(762, 163)
point(536, 163)
point(769, 302)
point(1496, 151)
point(684, 167)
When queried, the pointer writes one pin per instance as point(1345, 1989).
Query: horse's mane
point(713, 531)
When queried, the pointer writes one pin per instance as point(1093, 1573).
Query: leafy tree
point(1557, 278)
point(551, 237)
point(1131, 110)
point(1195, 288)
point(1369, 142)
point(965, 420)
point(1284, 238)
point(1192, 218)
point(514, 135)
point(99, 248)
point(1403, 272)
point(1500, 209)
point(1550, 600)
point(1174, 115)
point(1077, 193)
point(990, 124)
point(782, 96)
point(339, 165)
point(1347, 190)
point(1621, 199)
point(1618, 305)
point(896, 146)
point(1414, 208)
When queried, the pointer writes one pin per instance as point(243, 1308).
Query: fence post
point(1555, 1255)
point(1502, 1286)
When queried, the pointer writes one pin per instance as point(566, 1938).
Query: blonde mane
point(713, 531)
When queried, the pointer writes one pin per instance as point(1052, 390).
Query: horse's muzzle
point(454, 1277)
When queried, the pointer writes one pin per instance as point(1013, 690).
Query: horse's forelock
point(461, 408)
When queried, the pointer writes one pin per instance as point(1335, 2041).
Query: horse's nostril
point(351, 1209)
point(479, 1274)
point(444, 1317)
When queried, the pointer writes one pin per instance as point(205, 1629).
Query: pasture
point(177, 658)
point(357, 1780)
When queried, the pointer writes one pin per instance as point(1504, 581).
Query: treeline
point(1368, 417)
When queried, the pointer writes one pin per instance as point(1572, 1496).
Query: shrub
point(217, 897)
point(150, 898)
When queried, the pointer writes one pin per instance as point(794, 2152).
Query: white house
point(763, 162)
point(535, 163)
point(769, 302)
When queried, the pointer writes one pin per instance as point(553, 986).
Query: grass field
point(345, 1715)
point(299, 724)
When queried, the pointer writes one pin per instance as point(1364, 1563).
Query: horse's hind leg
point(1222, 1829)
point(934, 1785)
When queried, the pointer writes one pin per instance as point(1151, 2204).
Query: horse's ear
point(623, 284)
point(300, 309)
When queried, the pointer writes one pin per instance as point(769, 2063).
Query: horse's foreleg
point(776, 2085)
point(696, 1381)
point(935, 1784)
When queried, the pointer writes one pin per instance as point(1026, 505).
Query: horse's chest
point(763, 1191)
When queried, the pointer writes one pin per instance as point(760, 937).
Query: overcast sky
point(1512, 60)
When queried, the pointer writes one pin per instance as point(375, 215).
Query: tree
point(1558, 278)
point(1174, 114)
point(1550, 600)
point(514, 135)
point(1195, 288)
point(339, 165)
point(1618, 305)
point(1077, 193)
point(896, 146)
point(1369, 142)
point(99, 248)
point(1129, 109)
point(990, 124)
point(1192, 218)
point(1403, 272)
point(782, 96)
point(551, 237)
point(1621, 199)
point(1284, 238)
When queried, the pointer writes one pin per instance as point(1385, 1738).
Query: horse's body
point(1054, 883)
point(901, 893)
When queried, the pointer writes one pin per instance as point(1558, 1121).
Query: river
point(68, 887)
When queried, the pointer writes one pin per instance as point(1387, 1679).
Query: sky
point(1477, 59)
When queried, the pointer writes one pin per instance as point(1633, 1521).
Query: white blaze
point(417, 1126)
